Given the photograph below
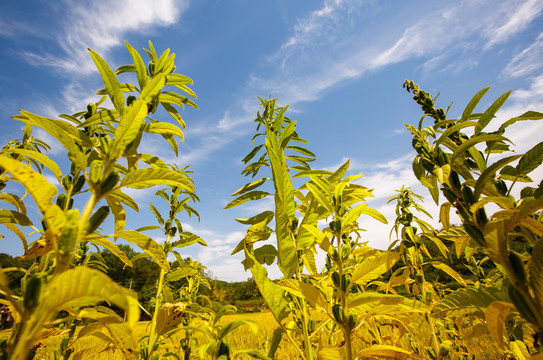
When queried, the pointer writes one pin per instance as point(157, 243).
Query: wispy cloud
point(519, 15)
point(102, 26)
point(527, 61)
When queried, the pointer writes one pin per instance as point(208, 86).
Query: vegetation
point(75, 293)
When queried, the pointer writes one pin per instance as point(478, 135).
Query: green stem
point(153, 337)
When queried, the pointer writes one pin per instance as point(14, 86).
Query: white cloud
point(101, 26)
point(527, 61)
point(519, 14)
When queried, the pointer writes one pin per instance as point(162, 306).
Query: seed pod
point(335, 254)
point(68, 238)
point(429, 297)
point(501, 186)
point(104, 143)
point(345, 251)
point(345, 282)
point(339, 313)
point(419, 277)
point(79, 184)
point(427, 165)
point(336, 279)
point(419, 298)
point(151, 67)
point(61, 200)
point(475, 234)
point(451, 196)
point(224, 348)
point(130, 100)
point(66, 181)
point(431, 352)
point(335, 226)
point(95, 171)
point(480, 217)
point(521, 305)
point(517, 265)
point(35, 286)
point(353, 319)
point(109, 183)
point(97, 219)
point(454, 179)
point(467, 194)
point(442, 158)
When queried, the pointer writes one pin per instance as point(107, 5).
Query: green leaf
point(472, 104)
point(153, 88)
point(459, 126)
point(39, 188)
point(467, 301)
point(147, 244)
point(449, 271)
point(187, 239)
point(495, 316)
point(310, 173)
point(491, 111)
point(388, 352)
point(101, 117)
point(301, 150)
point(147, 177)
point(536, 271)
point(284, 207)
point(266, 215)
point(42, 159)
point(82, 286)
point(113, 87)
point(176, 99)
point(106, 244)
point(370, 269)
point(305, 291)
point(175, 114)
point(266, 254)
point(355, 213)
point(369, 300)
point(129, 127)
point(180, 273)
point(14, 217)
point(69, 136)
point(250, 186)
point(15, 201)
point(320, 197)
point(529, 115)
point(157, 214)
point(252, 154)
point(272, 294)
point(139, 65)
point(164, 128)
point(489, 173)
point(251, 195)
point(531, 160)
point(474, 141)
point(510, 173)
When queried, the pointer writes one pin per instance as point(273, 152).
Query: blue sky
point(339, 64)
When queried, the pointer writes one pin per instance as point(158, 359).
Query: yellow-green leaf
point(495, 316)
point(388, 352)
point(147, 177)
point(371, 269)
point(82, 286)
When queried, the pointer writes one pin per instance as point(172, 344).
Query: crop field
point(472, 290)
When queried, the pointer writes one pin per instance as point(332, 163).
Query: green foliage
point(481, 278)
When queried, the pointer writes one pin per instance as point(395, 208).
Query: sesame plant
point(102, 147)
point(470, 162)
